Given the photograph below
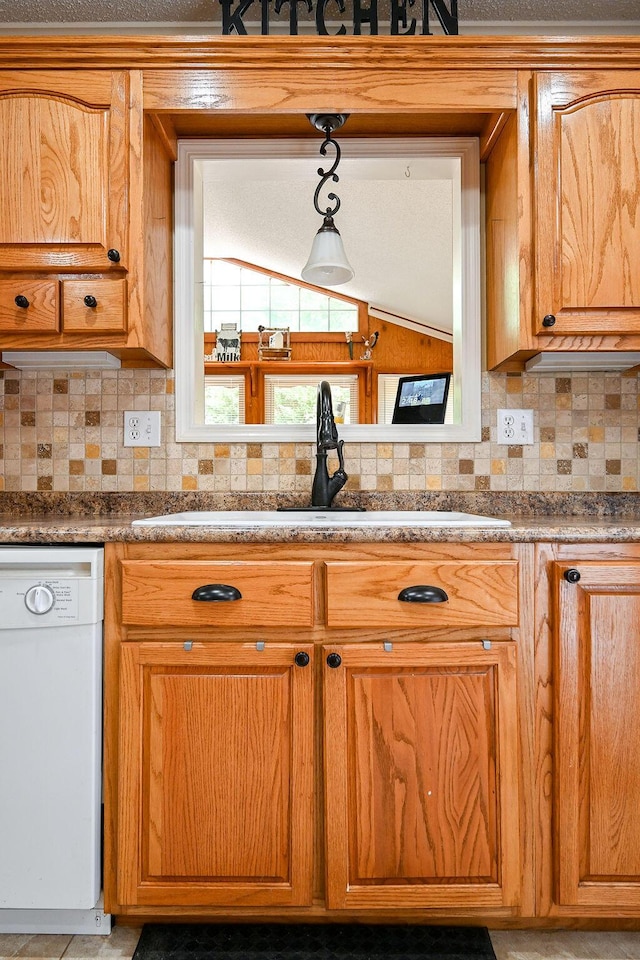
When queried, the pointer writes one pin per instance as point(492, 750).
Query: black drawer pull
point(334, 660)
point(216, 592)
point(21, 301)
point(302, 659)
point(90, 301)
point(422, 593)
point(114, 255)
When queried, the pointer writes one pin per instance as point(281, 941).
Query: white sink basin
point(320, 518)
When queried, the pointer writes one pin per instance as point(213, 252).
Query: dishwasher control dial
point(39, 599)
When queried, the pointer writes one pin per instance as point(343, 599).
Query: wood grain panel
point(208, 813)
point(108, 316)
point(41, 316)
point(159, 593)
point(509, 238)
point(293, 88)
point(600, 147)
point(216, 771)
point(613, 734)
point(366, 594)
point(421, 785)
point(156, 229)
point(55, 166)
point(597, 728)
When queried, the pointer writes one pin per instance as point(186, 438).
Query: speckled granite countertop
point(85, 518)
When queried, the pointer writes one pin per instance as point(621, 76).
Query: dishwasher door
point(50, 728)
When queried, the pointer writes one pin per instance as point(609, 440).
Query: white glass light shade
point(327, 265)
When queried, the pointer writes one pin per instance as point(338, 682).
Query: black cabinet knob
point(90, 301)
point(302, 659)
point(216, 593)
point(114, 255)
point(21, 301)
point(334, 660)
point(423, 593)
point(572, 575)
point(549, 320)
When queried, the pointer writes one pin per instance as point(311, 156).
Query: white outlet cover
point(515, 427)
point(142, 428)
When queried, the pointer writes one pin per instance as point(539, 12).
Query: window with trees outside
point(239, 293)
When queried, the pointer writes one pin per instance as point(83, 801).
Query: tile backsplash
point(63, 432)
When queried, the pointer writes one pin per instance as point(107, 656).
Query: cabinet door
point(597, 733)
point(63, 169)
point(587, 195)
point(421, 776)
point(216, 775)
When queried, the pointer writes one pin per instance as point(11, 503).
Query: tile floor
point(508, 945)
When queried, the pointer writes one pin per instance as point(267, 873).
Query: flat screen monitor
point(422, 399)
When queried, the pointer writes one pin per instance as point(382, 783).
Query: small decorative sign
point(364, 16)
point(227, 348)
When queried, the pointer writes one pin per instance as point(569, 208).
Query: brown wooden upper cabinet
point(85, 216)
point(587, 202)
point(563, 218)
point(64, 169)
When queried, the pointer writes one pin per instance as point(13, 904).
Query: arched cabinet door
point(587, 203)
point(64, 170)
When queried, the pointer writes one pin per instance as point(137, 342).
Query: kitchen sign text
point(364, 17)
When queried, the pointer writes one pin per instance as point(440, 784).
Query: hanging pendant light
point(327, 265)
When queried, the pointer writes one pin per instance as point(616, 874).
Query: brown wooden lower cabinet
point(421, 778)
point(216, 774)
point(597, 735)
point(276, 770)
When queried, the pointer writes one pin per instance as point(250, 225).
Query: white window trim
point(189, 376)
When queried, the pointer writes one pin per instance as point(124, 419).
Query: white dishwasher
point(51, 612)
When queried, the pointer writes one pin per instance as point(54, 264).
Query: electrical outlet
point(142, 428)
point(515, 426)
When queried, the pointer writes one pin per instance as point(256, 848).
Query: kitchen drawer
point(97, 306)
point(39, 310)
point(159, 592)
point(471, 593)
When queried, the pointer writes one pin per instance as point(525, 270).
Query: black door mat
point(273, 941)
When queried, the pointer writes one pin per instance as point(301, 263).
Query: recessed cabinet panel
point(249, 594)
point(597, 731)
point(216, 747)
point(28, 306)
point(421, 776)
point(63, 169)
point(94, 306)
point(587, 198)
point(440, 593)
